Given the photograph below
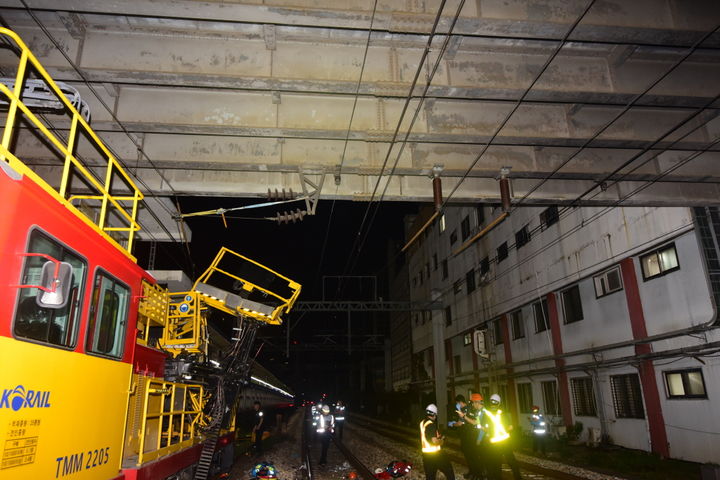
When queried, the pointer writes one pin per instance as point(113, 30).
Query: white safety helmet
point(431, 409)
point(326, 409)
point(495, 398)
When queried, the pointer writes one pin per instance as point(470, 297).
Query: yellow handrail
point(109, 204)
point(234, 304)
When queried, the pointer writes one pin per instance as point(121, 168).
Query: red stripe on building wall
point(556, 336)
point(511, 400)
point(656, 421)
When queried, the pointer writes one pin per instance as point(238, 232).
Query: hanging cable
point(408, 98)
point(622, 112)
point(124, 129)
point(347, 139)
point(423, 96)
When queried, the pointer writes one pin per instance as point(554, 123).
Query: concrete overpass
point(588, 102)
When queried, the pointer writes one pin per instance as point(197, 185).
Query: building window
point(497, 331)
point(108, 316)
point(522, 237)
point(542, 320)
point(608, 282)
point(427, 270)
point(442, 223)
point(421, 277)
point(484, 266)
point(480, 215)
point(518, 326)
point(427, 316)
point(435, 262)
point(444, 269)
point(453, 237)
point(458, 364)
point(56, 326)
point(525, 397)
point(502, 252)
point(583, 397)
point(659, 262)
point(467, 339)
point(550, 397)
point(457, 287)
point(572, 305)
point(448, 316)
point(465, 227)
point(685, 384)
point(627, 396)
point(470, 280)
point(549, 216)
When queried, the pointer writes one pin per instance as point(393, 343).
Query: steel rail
point(364, 471)
point(305, 448)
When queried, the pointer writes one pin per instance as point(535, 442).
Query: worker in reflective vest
point(325, 428)
point(497, 441)
point(431, 440)
point(473, 417)
point(340, 418)
point(539, 430)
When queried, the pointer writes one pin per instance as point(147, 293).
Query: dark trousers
point(472, 458)
point(539, 441)
point(496, 453)
point(432, 462)
point(339, 427)
point(258, 442)
point(324, 444)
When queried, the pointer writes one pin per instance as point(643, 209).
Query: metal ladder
point(208, 452)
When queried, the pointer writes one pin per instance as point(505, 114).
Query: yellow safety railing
point(172, 416)
point(152, 310)
point(215, 295)
point(111, 206)
point(186, 327)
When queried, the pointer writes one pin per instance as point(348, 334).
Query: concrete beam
point(641, 21)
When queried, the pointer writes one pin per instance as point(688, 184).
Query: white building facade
point(603, 316)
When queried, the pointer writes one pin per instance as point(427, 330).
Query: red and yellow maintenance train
point(103, 373)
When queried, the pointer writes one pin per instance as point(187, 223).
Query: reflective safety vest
point(340, 413)
point(499, 432)
point(538, 424)
point(325, 423)
point(427, 447)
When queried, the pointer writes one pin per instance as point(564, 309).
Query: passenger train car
point(103, 373)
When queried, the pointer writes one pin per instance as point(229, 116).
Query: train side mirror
point(56, 280)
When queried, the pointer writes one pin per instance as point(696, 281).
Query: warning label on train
point(19, 451)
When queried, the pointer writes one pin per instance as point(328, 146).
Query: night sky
point(296, 251)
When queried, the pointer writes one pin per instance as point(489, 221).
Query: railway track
point(408, 436)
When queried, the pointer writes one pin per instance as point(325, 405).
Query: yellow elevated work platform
point(259, 292)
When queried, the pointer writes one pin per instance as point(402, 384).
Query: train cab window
point(108, 316)
point(55, 326)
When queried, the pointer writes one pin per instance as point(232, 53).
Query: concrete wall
point(582, 244)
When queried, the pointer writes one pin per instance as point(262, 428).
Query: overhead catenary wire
point(50, 125)
point(421, 65)
point(134, 141)
point(428, 82)
point(622, 112)
point(520, 100)
point(323, 248)
point(707, 105)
